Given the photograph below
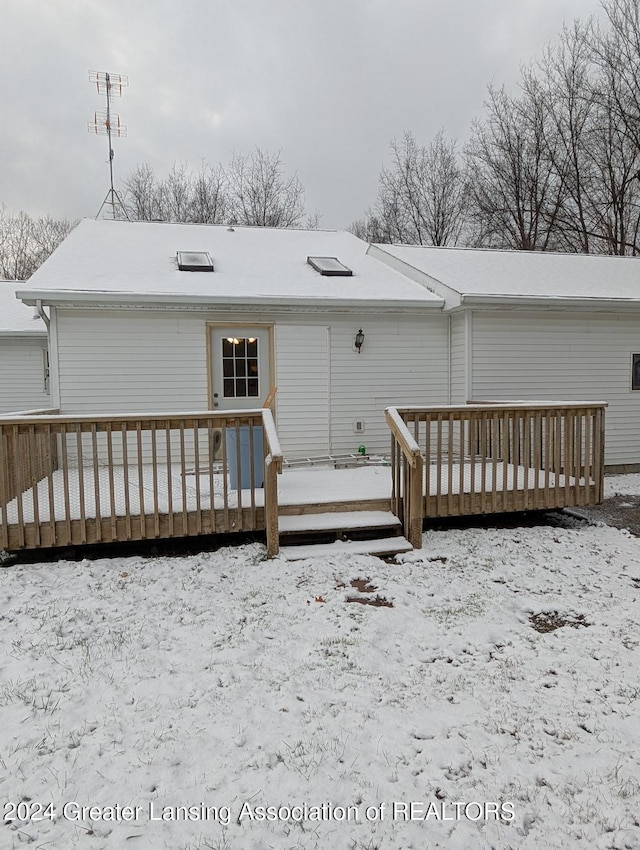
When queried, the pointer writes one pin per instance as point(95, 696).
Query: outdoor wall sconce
point(359, 340)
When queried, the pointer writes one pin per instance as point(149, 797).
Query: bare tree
point(562, 82)
point(515, 192)
point(591, 151)
point(25, 242)
point(209, 195)
point(176, 193)
point(616, 53)
point(555, 168)
point(260, 193)
point(421, 196)
point(142, 194)
point(252, 190)
point(369, 229)
point(614, 194)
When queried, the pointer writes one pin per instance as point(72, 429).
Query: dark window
point(635, 372)
point(240, 367)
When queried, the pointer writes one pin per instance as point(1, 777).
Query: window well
point(330, 266)
point(194, 261)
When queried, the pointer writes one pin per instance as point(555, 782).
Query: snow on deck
point(316, 485)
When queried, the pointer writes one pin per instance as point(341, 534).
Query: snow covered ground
point(622, 485)
point(226, 683)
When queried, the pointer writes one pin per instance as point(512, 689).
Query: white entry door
point(240, 367)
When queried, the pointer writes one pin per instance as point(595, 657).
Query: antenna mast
point(107, 123)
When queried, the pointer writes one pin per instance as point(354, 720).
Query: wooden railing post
point(415, 503)
point(407, 489)
point(272, 467)
point(271, 506)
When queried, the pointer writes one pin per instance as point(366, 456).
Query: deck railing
point(493, 457)
point(406, 478)
point(68, 480)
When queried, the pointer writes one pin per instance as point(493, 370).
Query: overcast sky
point(327, 82)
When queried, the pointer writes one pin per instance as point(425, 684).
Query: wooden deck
point(74, 480)
point(493, 458)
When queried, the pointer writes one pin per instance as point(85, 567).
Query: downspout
point(42, 314)
point(47, 322)
point(449, 357)
point(468, 344)
point(329, 391)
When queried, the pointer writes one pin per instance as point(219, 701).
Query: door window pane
point(239, 360)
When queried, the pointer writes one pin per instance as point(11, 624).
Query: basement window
point(194, 261)
point(635, 372)
point(329, 266)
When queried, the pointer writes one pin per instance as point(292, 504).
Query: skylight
point(330, 266)
point(194, 261)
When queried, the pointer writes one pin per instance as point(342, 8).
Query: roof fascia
point(71, 298)
point(566, 302)
point(11, 334)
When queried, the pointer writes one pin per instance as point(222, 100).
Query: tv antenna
point(107, 123)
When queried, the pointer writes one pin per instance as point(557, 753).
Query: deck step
point(379, 546)
point(337, 521)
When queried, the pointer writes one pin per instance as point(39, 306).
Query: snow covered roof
point(15, 318)
point(467, 275)
point(104, 261)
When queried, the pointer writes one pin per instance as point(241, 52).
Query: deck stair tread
point(379, 546)
point(337, 520)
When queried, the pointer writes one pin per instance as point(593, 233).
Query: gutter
point(9, 334)
point(592, 303)
point(261, 303)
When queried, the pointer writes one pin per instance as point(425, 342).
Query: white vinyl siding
point(302, 378)
point(402, 362)
point(563, 356)
point(121, 362)
point(129, 361)
point(458, 356)
point(22, 378)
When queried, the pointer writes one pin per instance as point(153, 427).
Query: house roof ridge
point(222, 225)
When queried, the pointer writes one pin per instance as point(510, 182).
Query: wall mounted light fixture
point(359, 340)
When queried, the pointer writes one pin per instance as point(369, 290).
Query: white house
point(158, 330)
point(539, 326)
point(154, 317)
point(23, 353)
